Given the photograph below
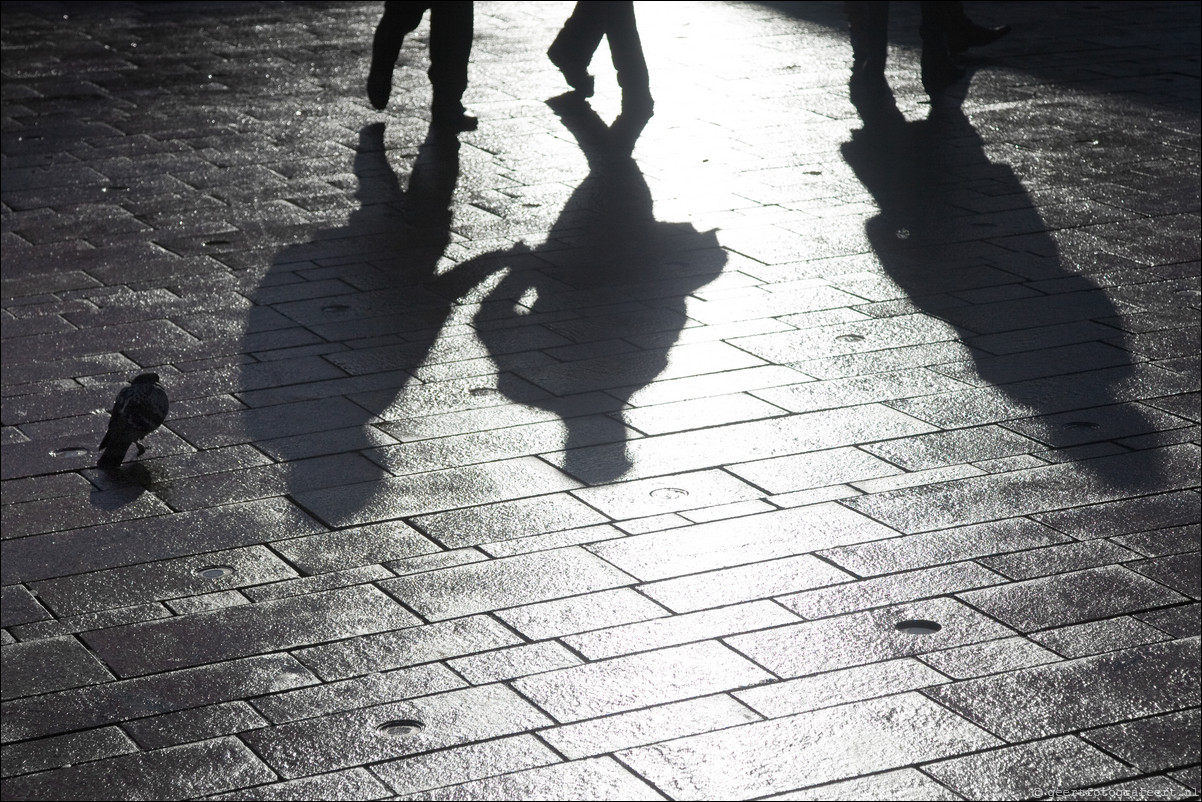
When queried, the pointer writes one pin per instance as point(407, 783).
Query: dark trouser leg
point(576, 43)
point(626, 49)
point(869, 27)
point(451, 27)
point(938, 70)
point(400, 19)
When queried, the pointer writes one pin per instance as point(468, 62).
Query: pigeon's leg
point(141, 448)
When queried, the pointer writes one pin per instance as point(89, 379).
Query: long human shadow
point(1035, 327)
point(609, 271)
point(369, 322)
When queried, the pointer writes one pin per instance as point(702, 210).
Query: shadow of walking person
point(1045, 362)
point(356, 298)
point(622, 276)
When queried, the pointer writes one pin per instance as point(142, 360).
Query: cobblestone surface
point(800, 457)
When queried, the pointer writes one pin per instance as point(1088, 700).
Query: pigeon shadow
point(1043, 357)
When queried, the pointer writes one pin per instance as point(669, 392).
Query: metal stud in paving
point(669, 492)
point(401, 727)
point(917, 626)
point(1081, 424)
point(215, 571)
point(69, 451)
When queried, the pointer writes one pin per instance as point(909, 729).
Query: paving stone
point(124, 587)
point(49, 665)
point(20, 607)
point(354, 547)
point(1179, 572)
point(744, 762)
point(197, 724)
point(206, 603)
point(1070, 598)
point(64, 750)
point(434, 561)
point(990, 657)
point(1126, 515)
point(640, 680)
point(646, 497)
point(946, 546)
point(516, 661)
point(1065, 697)
point(1095, 637)
point(745, 583)
point(665, 391)
point(841, 392)
point(724, 544)
point(860, 638)
point(596, 778)
point(993, 497)
point(351, 694)
point(434, 492)
point(97, 705)
point(350, 784)
point(839, 687)
point(741, 442)
point(462, 764)
point(113, 545)
point(479, 587)
point(353, 738)
point(140, 649)
point(179, 772)
point(551, 540)
point(1152, 744)
point(406, 647)
point(315, 584)
point(657, 633)
point(898, 784)
point(89, 621)
point(1162, 542)
point(854, 596)
point(1042, 768)
point(1180, 622)
point(818, 469)
point(507, 520)
point(560, 617)
point(640, 727)
point(1058, 559)
point(698, 413)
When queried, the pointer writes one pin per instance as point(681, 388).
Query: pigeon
point(138, 411)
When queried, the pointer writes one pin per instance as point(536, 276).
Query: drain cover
point(918, 626)
point(401, 727)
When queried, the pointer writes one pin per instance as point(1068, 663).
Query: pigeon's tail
point(114, 454)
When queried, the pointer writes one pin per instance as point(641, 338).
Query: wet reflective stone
point(661, 723)
point(852, 596)
point(745, 583)
point(372, 689)
point(197, 724)
point(517, 661)
point(353, 738)
point(1181, 572)
point(1152, 744)
point(687, 491)
point(850, 640)
point(49, 665)
point(626, 683)
point(595, 778)
point(252, 629)
point(178, 772)
point(839, 687)
point(509, 519)
point(1095, 637)
point(750, 761)
point(350, 784)
point(899, 784)
point(18, 607)
point(1071, 598)
point(1093, 691)
point(488, 585)
point(464, 764)
point(991, 657)
point(64, 750)
point(553, 619)
point(370, 653)
point(1043, 768)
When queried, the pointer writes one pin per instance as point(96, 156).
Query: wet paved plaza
point(799, 457)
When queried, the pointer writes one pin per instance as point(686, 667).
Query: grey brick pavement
point(614, 480)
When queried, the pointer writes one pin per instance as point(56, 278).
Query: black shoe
point(575, 74)
point(455, 122)
point(961, 37)
point(379, 87)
